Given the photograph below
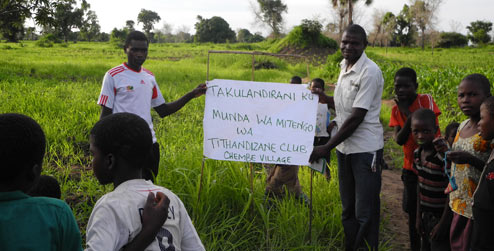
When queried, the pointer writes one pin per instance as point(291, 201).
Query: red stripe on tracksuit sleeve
point(116, 72)
point(103, 99)
point(155, 93)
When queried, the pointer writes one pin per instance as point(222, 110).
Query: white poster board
point(259, 122)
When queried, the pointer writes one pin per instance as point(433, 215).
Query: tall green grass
point(438, 74)
point(59, 86)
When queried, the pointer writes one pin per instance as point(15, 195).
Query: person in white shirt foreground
point(119, 144)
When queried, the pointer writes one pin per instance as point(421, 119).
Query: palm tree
point(350, 6)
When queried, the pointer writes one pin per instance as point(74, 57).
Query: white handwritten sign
point(259, 122)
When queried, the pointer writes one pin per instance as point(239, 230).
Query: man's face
point(485, 126)
point(137, 52)
point(352, 46)
point(100, 163)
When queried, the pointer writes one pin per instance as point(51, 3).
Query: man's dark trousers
point(359, 176)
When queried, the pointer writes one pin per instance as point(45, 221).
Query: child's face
point(486, 124)
point(423, 131)
point(405, 88)
point(101, 163)
point(316, 85)
point(470, 97)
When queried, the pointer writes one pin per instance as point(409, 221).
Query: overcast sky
point(179, 13)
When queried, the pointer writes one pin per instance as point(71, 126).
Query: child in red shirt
point(407, 101)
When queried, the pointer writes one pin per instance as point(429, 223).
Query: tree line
point(56, 17)
point(66, 20)
point(415, 25)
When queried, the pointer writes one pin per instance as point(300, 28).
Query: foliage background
point(58, 86)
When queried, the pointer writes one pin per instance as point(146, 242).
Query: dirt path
point(396, 221)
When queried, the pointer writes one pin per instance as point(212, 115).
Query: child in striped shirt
point(432, 181)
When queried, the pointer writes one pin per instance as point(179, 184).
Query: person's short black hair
point(450, 128)
point(489, 104)
point(296, 80)
point(125, 135)
point(481, 80)
point(47, 186)
point(22, 145)
point(135, 35)
point(407, 72)
point(319, 81)
point(425, 115)
point(357, 30)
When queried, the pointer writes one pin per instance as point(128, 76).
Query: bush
point(48, 40)
point(117, 37)
point(52, 38)
point(335, 58)
point(332, 68)
point(306, 35)
point(244, 36)
point(311, 29)
point(44, 43)
point(452, 39)
point(256, 38)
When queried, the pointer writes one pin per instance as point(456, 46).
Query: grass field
point(59, 87)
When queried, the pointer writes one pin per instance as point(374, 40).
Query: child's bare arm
point(441, 145)
point(172, 107)
point(105, 111)
point(330, 127)
point(323, 98)
point(462, 157)
point(401, 134)
point(153, 217)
